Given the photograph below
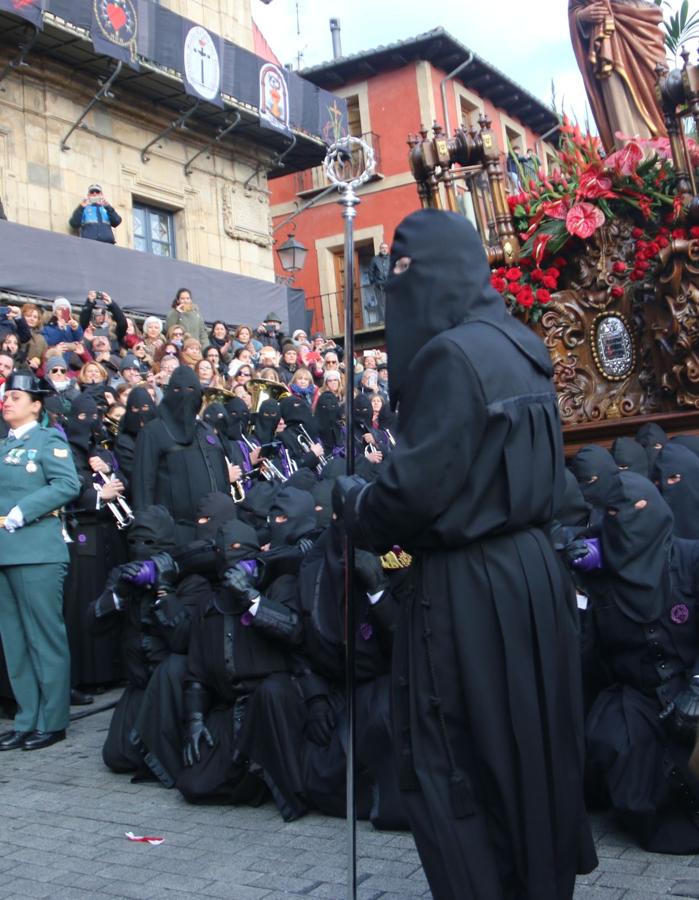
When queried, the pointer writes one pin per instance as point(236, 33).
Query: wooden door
point(339, 259)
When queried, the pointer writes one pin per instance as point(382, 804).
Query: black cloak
point(140, 410)
point(238, 419)
point(180, 404)
point(486, 682)
point(652, 438)
point(630, 456)
point(690, 441)
point(214, 510)
point(299, 509)
point(683, 496)
point(268, 416)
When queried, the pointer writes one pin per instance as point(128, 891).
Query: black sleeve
point(76, 219)
point(430, 464)
point(176, 610)
point(278, 612)
point(119, 321)
point(114, 217)
point(24, 332)
point(145, 468)
point(86, 314)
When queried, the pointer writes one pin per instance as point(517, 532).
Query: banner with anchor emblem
point(114, 29)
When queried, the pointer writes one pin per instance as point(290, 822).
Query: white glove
point(14, 519)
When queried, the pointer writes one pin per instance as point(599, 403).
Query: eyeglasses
point(58, 369)
point(245, 374)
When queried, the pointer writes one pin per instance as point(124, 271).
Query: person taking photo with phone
point(95, 218)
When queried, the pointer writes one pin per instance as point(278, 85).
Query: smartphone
point(65, 313)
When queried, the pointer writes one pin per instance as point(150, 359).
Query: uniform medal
point(31, 466)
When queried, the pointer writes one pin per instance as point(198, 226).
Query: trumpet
point(237, 487)
point(306, 442)
point(391, 439)
point(119, 508)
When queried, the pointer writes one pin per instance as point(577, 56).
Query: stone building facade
point(217, 215)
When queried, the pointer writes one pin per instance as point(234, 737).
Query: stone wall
point(218, 222)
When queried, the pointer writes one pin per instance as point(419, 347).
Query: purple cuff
point(593, 557)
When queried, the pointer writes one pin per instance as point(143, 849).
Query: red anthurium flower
point(583, 220)
point(540, 242)
point(556, 209)
point(594, 184)
point(625, 161)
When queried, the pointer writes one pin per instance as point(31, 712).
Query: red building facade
point(391, 92)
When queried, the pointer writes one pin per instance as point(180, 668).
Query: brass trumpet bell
point(261, 390)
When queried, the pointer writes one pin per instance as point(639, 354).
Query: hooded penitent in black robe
point(96, 547)
point(178, 457)
point(242, 664)
point(157, 730)
point(328, 418)
point(140, 410)
point(487, 699)
point(630, 456)
point(690, 441)
point(676, 473)
point(594, 468)
point(645, 612)
point(321, 588)
point(652, 438)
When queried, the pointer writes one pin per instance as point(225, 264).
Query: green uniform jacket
point(38, 475)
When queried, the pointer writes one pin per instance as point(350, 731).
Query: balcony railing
point(329, 311)
point(314, 179)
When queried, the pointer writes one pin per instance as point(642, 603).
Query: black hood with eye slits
point(447, 283)
point(152, 531)
point(180, 405)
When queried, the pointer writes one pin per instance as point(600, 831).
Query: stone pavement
point(63, 818)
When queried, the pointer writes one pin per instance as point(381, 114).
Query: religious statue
point(618, 44)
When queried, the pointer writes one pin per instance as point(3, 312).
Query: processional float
point(620, 316)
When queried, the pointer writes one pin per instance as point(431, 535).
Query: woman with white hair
point(153, 337)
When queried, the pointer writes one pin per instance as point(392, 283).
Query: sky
point(528, 41)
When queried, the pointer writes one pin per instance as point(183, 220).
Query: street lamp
point(292, 254)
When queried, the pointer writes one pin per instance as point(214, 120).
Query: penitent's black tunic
point(487, 702)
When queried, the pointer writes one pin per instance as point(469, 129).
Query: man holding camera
point(269, 332)
point(95, 320)
point(95, 218)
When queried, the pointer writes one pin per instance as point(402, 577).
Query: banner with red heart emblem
point(31, 10)
point(114, 29)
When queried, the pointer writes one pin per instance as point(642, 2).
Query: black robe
point(487, 708)
point(683, 496)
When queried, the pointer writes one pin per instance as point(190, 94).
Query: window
point(354, 116)
point(153, 230)
point(469, 112)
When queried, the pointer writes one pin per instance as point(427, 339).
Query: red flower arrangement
point(584, 192)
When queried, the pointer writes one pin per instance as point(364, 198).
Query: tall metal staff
point(349, 163)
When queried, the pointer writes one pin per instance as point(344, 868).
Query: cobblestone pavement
point(63, 818)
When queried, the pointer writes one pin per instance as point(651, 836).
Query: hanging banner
point(31, 10)
point(114, 29)
point(274, 99)
point(202, 54)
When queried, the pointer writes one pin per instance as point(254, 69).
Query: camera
point(99, 295)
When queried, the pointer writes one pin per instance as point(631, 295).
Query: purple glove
point(142, 574)
point(591, 559)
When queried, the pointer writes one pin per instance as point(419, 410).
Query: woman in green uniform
point(37, 477)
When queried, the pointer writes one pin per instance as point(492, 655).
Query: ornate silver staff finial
point(349, 163)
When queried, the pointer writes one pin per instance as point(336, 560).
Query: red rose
point(537, 275)
point(554, 271)
point(513, 274)
point(617, 292)
point(619, 268)
point(560, 262)
point(548, 282)
point(515, 287)
point(636, 276)
point(583, 220)
point(679, 234)
point(500, 272)
point(642, 265)
point(663, 241)
point(543, 296)
point(499, 284)
point(654, 248)
point(637, 233)
point(694, 232)
point(526, 298)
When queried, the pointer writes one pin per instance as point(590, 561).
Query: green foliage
point(680, 26)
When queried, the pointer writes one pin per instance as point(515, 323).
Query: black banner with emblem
point(202, 62)
point(114, 29)
point(31, 10)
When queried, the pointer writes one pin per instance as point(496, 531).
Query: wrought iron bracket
point(180, 122)
point(225, 129)
point(20, 61)
point(104, 93)
point(276, 163)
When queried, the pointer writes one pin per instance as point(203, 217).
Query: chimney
point(337, 42)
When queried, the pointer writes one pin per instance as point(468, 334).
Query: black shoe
point(39, 739)
point(13, 740)
point(78, 698)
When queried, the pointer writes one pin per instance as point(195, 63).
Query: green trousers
point(35, 644)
